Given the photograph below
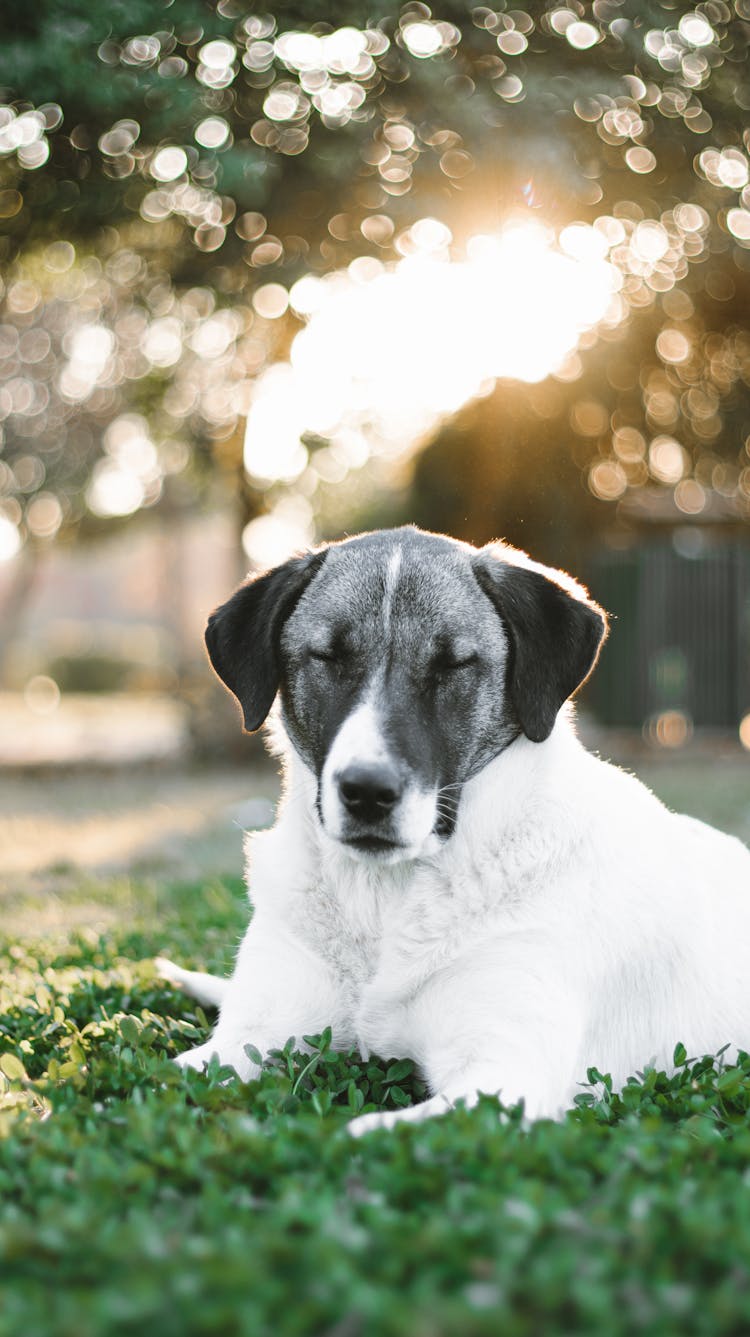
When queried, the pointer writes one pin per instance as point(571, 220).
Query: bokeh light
point(212, 132)
point(581, 35)
point(270, 539)
point(669, 729)
point(168, 164)
point(41, 695)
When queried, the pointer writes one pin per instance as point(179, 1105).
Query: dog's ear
point(243, 635)
point(555, 634)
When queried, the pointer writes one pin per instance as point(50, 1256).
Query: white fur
point(571, 920)
point(391, 580)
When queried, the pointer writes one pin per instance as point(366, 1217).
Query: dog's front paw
point(367, 1123)
point(427, 1109)
point(198, 1058)
point(227, 1056)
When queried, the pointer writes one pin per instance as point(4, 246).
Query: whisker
point(446, 812)
point(448, 800)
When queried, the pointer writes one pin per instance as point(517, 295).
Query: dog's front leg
point(279, 988)
point(465, 1086)
point(499, 1025)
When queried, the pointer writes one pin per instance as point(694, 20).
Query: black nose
point(370, 790)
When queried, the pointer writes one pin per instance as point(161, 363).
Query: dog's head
point(405, 661)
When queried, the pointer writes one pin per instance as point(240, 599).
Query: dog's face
point(406, 661)
point(393, 688)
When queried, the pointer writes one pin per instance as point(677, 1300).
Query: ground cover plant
point(136, 1199)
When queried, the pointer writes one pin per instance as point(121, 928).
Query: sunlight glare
point(10, 539)
point(391, 355)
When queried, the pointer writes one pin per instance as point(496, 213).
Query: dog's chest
point(350, 925)
point(358, 937)
point(381, 938)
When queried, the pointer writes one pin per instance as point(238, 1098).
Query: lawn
point(139, 1200)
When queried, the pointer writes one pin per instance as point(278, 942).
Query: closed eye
point(446, 664)
point(325, 656)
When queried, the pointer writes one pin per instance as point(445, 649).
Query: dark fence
point(680, 635)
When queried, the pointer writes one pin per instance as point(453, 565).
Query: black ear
point(243, 635)
point(555, 635)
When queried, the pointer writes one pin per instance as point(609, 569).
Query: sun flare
point(389, 351)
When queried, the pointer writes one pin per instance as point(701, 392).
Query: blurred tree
point(517, 480)
point(163, 169)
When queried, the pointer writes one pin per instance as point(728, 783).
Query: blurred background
point(269, 279)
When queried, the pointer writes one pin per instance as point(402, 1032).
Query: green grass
point(136, 1200)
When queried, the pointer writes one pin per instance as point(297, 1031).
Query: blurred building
point(126, 612)
point(105, 663)
point(678, 654)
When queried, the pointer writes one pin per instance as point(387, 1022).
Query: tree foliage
point(159, 164)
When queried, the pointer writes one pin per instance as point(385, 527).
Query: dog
point(452, 877)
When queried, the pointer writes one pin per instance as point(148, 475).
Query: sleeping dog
point(452, 878)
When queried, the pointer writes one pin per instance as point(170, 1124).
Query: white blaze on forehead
point(391, 580)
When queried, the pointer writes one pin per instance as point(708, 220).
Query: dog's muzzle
point(370, 799)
